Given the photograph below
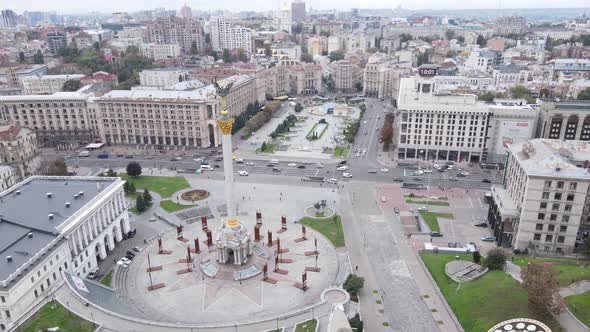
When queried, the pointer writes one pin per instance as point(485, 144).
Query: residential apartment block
point(542, 202)
point(159, 51)
point(163, 77)
point(176, 30)
point(347, 76)
point(381, 77)
point(226, 36)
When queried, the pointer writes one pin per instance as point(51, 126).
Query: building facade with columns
point(564, 119)
point(76, 222)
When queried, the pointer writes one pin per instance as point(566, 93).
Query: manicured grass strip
point(171, 206)
point(270, 148)
point(165, 186)
point(313, 130)
point(328, 227)
point(569, 271)
point(57, 316)
point(579, 305)
point(481, 303)
point(431, 218)
point(107, 279)
point(427, 202)
point(307, 326)
point(341, 152)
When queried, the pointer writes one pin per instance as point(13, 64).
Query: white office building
point(159, 51)
point(76, 222)
point(46, 84)
point(163, 77)
point(542, 203)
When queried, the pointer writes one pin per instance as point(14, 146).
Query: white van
point(83, 154)
point(273, 161)
point(206, 168)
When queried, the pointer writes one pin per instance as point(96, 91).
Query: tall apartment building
point(564, 119)
point(53, 226)
point(484, 60)
point(163, 77)
point(185, 12)
point(510, 25)
point(226, 36)
point(176, 30)
point(60, 117)
point(542, 202)
point(177, 119)
point(159, 51)
point(298, 10)
point(347, 76)
point(317, 45)
point(7, 19)
point(56, 40)
point(381, 77)
point(46, 84)
point(456, 127)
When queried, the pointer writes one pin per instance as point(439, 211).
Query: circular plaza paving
point(215, 294)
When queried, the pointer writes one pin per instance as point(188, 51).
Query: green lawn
point(341, 152)
point(171, 206)
point(307, 326)
point(579, 305)
point(165, 186)
point(60, 317)
point(107, 279)
point(569, 271)
point(486, 301)
point(330, 229)
point(431, 218)
point(134, 195)
point(411, 201)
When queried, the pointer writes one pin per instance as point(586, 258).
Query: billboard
point(512, 131)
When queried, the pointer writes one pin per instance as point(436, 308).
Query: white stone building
point(541, 204)
point(441, 126)
point(46, 84)
point(226, 36)
point(347, 75)
point(163, 77)
point(62, 116)
point(159, 51)
point(100, 35)
point(74, 225)
point(171, 119)
point(381, 77)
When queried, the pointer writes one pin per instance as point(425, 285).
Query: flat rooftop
point(25, 226)
point(552, 157)
point(201, 94)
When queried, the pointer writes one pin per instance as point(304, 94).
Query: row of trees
point(258, 120)
point(284, 126)
point(239, 56)
point(386, 137)
point(240, 120)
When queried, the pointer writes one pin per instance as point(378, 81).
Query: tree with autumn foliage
point(540, 281)
point(387, 131)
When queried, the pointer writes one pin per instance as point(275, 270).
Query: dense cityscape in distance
point(299, 168)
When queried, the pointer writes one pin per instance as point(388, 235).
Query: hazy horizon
point(109, 6)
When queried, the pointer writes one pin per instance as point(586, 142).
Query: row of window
point(548, 238)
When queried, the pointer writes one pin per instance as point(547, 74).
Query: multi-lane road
point(359, 164)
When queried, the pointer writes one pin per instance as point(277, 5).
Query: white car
point(423, 208)
point(450, 167)
point(347, 175)
point(319, 165)
point(199, 160)
point(436, 166)
point(273, 161)
point(358, 154)
point(383, 199)
point(243, 173)
point(125, 260)
point(177, 158)
point(239, 160)
point(122, 264)
point(332, 181)
point(384, 170)
point(427, 171)
point(465, 173)
point(249, 163)
point(342, 168)
point(206, 168)
point(418, 173)
point(292, 164)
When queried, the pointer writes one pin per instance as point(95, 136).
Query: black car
point(270, 165)
point(343, 162)
point(120, 155)
point(129, 156)
point(130, 253)
point(417, 179)
point(216, 166)
point(435, 234)
point(218, 158)
point(486, 181)
point(276, 169)
point(398, 180)
point(481, 224)
point(301, 166)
